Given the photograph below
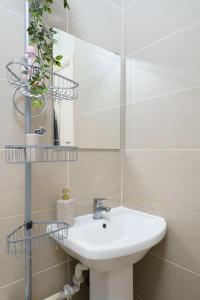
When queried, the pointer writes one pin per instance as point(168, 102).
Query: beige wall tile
point(166, 122)
point(11, 187)
point(49, 282)
point(97, 23)
point(12, 267)
point(16, 6)
point(48, 181)
point(156, 279)
point(129, 2)
point(136, 297)
point(142, 19)
point(15, 23)
point(95, 174)
point(181, 244)
point(45, 284)
point(12, 131)
point(164, 68)
point(116, 2)
point(161, 73)
point(13, 291)
point(165, 177)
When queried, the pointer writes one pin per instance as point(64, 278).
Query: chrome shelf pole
point(28, 181)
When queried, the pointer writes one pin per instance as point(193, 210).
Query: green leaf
point(58, 63)
point(59, 57)
point(37, 103)
point(42, 38)
point(66, 5)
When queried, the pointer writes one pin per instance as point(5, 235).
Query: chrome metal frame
point(26, 236)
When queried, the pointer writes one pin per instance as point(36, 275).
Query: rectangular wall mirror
point(93, 120)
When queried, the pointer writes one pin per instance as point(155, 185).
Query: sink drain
point(104, 226)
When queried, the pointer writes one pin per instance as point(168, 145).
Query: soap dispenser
point(66, 208)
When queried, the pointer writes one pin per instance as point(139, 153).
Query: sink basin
point(123, 237)
point(110, 247)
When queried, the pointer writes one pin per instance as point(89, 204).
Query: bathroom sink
point(121, 238)
point(110, 246)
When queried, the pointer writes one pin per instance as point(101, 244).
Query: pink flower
point(30, 51)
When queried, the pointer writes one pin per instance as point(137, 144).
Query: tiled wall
point(97, 173)
point(162, 145)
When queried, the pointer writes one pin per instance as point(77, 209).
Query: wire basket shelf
point(18, 154)
point(42, 234)
point(58, 87)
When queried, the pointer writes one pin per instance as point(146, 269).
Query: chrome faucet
point(98, 208)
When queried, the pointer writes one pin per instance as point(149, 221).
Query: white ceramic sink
point(122, 237)
point(110, 247)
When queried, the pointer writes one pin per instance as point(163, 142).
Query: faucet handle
point(98, 201)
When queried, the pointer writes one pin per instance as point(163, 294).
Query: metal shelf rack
point(59, 88)
point(40, 233)
point(19, 154)
point(35, 234)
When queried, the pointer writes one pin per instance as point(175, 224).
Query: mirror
point(93, 120)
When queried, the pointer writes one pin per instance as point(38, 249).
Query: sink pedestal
point(114, 285)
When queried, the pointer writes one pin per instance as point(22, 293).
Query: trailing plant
point(42, 38)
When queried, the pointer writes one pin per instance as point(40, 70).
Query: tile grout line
point(99, 110)
point(159, 149)
point(89, 202)
point(67, 21)
point(122, 104)
point(34, 212)
point(174, 264)
point(11, 283)
point(138, 296)
point(130, 4)
point(68, 268)
point(113, 5)
point(12, 12)
point(50, 268)
point(35, 274)
point(168, 36)
point(22, 16)
point(161, 96)
point(192, 211)
point(80, 203)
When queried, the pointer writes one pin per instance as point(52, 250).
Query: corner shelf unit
point(59, 87)
point(33, 234)
point(40, 233)
point(19, 154)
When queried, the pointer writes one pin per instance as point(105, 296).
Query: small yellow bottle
point(65, 195)
point(66, 208)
